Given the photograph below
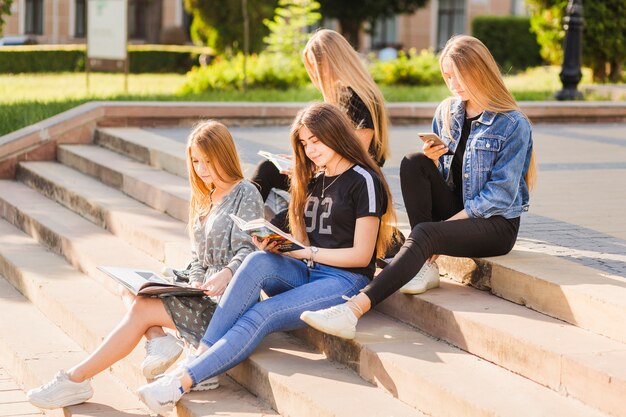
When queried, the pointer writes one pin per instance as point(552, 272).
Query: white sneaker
point(426, 278)
point(60, 392)
point(161, 352)
point(338, 321)
point(161, 395)
point(207, 384)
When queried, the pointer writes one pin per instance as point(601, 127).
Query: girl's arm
point(250, 207)
point(365, 137)
point(196, 271)
point(358, 256)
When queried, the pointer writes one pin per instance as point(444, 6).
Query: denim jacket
point(497, 157)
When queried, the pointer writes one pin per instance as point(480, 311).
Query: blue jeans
point(241, 321)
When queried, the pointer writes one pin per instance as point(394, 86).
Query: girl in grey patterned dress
point(217, 189)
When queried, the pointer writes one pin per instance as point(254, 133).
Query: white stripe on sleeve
point(371, 193)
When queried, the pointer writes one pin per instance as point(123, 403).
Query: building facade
point(65, 21)
point(165, 21)
point(430, 27)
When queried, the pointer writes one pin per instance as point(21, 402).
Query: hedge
point(510, 41)
point(71, 58)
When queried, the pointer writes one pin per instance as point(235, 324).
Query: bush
point(510, 41)
point(265, 70)
point(408, 69)
point(71, 58)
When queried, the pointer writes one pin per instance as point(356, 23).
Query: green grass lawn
point(28, 98)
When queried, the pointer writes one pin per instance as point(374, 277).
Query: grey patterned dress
point(217, 244)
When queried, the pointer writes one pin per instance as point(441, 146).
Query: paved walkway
point(577, 209)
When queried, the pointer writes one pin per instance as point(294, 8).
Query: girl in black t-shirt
point(341, 207)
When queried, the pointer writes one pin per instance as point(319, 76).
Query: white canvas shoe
point(338, 321)
point(60, 392)
point(207, 384)
point(161, 395)
point(161, 353)
point(426, 278)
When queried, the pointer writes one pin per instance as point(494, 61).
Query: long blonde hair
point(336, 67)
point(479, 75)
point(215, 143)
point(332, 127)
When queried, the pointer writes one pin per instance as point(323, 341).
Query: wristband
point(313, 250)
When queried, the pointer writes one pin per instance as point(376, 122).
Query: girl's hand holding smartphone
point(434, 147)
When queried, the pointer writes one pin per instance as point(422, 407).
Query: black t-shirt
point(457, 160)
point(360, 115)
point(330, 221)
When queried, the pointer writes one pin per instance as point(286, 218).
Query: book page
point(281, 163)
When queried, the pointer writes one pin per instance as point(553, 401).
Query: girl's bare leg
point(143, 314)
point(129, 298)
point(360, 304)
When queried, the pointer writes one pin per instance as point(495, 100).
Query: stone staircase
point(454, 351)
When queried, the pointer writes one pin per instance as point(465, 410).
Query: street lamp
point(572, 52)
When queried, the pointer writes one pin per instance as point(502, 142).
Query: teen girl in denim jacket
point(464, 198)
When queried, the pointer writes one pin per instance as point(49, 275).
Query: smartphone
point(428, 136)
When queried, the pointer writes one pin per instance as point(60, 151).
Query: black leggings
point(267, 176)
point(428, 201)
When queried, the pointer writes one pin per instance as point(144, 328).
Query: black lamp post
point(572, 52)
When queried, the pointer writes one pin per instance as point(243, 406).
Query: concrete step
point(151, 148)
point(282, 372)
point(85, 245)
point(13, 402)
point(551, 352)
point(438, 378)
point(157, 189)
point(145, 147)
point(157, 234)
point(300, 382)
point(578, 294)
point(33, 349)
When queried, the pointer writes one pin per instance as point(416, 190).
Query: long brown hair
point(332, 127)
point(215, 143)
point(478, 73)
point(337, 66)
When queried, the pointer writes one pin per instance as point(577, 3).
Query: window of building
point(385, 33)
point(138, 11)
point(450, 20)
point(80, 19)
point(33, 17)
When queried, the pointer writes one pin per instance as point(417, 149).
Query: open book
point(282, 163)
point(147, 283)
point(263, 229)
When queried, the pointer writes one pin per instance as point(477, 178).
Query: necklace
point(324, 188)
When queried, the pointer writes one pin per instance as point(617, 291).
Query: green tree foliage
point(5, 10)
point(351, 14)
point(288, 33)
point(604, 34)
point(509, 39)
point(220, 22)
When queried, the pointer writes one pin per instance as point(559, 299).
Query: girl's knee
point(414, 161)
point(257, 260)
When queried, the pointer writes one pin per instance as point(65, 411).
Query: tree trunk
point(350, 29)
point(599, 72)
point(615, 74)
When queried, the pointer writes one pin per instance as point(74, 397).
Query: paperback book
point(147, 283)
point(263, 229)
point(282, 163)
